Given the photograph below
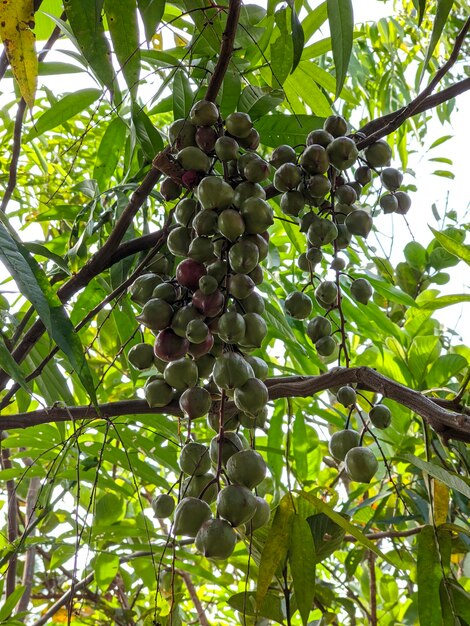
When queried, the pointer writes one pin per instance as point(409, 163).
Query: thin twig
point(12, 520)
point(388, 534)
point(372, 588)
point(203, 621)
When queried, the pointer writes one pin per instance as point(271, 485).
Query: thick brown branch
point(448, 424)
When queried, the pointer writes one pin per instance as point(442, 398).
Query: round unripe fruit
point(318, 186)
point(315, 160)
point(359, 222)
point(214, 193)
point(251, 397)
point(336, 125)
point(142, 288)
point(226, 148)
point(251, 141)
point(326, 293)
point(141, 356)
point(253, 303)
point(156, 314)
point(391, 178)
point(380, 416)
point(178, 241)
point(361, 290)
point(241, 286)
point(318, 327)
point(194, 459)
point(243, 257)
point(321, 232)
point(298, 305)
point(236, 504)
point(238, 124)
point(292, 202)
point(341, 442)
point(158, 393)
point(231, 327)
point(204, 113)
point(314, 255)
point(163, 505)
point(321, 137)
point(247, 468)
point(256, 170)
point(283, 154)
point(255, 330)
point(404, 202)
point(192, 158)
point(338, 264)
point(196, 331)
point(181, 374)
point(167, 292)
point(325, 346)
point(260, 367)
point(363, 175)
point(378, 154)
point(342, 152)
point(181, 134)
point(231, 370)
point(261, 516)
point(216, 539)
point(205, 223)
point(208, 284)
point(190, 515)
point(246, 190)
point(231, 224)
point(346, 396)
point(257, 215)
point(361, 464)
point(228, 445)
point(182, 317)
point(287, 177)
point(169, 346)
point(170, 189)
point(388, 203)
point(345, 194)
point(229, 423)
point(195, 402)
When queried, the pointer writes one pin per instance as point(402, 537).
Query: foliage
point(77, 495)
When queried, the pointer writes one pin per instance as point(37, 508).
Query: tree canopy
point(200, 309)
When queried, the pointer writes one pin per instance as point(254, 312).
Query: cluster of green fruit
point(346, 446)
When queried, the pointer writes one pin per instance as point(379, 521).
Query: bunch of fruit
point(199, 298)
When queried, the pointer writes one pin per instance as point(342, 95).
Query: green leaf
point(275, 438)
point(439, 141)
point(40, 250)
point(301, 86)
point(443, 301)
point(276, 547)
point(124, 30)
point(105, 567)
point(442, 13)
point(423, 351)
point(10, 603)
point(208, 23)
point(444, 368)
point(34, 285)
point(302, 565)
point(415, 254)
point(86, 22)
point(298, 38)
point(279, 129)
point(429, 575)
point(231, 88)
point(454, 247)
point(322, 526)
point(109, 509)
point(314, 20)
point(182, 95)
point(257, 101)
point(109, 152)
point(341, 20)
point(151, 12)
point(272, 607)
point(436, 471)
point(11, 367)
point(281, 60)
point(148, 136)
point(63, 110)
point(389, 291)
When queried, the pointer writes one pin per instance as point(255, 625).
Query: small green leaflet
point(151, 12)
point(11, 367)
point(340, 17)
point(298, 38)
point(442, 13)
point(459, 250)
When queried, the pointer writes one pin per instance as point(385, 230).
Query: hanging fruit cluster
point(207, 316)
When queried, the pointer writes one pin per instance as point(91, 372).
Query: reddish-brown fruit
point(200, 349)
point(210, 305)
point(191, 179)
point(189, 272)
point(168, 346)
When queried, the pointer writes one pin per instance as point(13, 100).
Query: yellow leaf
point(440, 494)
point(16, 24)
point(180, 41)
point(157, 41)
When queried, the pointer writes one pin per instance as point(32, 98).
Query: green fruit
point(208, 284)
point(229, 422)
point(185, 211)
point(292, 203)
point(314, 256)
point(251, 141)
point(341, 442)
point(231, 327)
point(327, 293)
point(318, 186)
point(320, 137)
point(216, 539)
point(260, 367)
point(257, 274)
point(163, 505)
point(231, 370)
point(240, 286)
point(167, 292)
point(227, 445)
point(359, 222)
point(361, 290)
point(181, 374)
point(140, 356)
point(246, 190)
point(253, 303)
point(325, 346)
point(243, 257)
point(283, 154)
point(190, 515)
point(195, 402)
point(194, 459)
point(298, 305)
point(346, 396)
point(170, 189)
point(336, 125)
point(182, 134)
point(256, 170)
point(203, 487)
point(238, 124)
point(380, 416)
point(257, 214)
point(404, 202)
point(253, 421)
point(287, 177)
point(205, 365)
point(321, 232)
point(315, 160)
point(363, 175)
point(201, 249)
point(196, 331)
point(391, 178)
point(360, 464)
point(338, 264)
point(345, 194)
point(247, 468)
point(251, 397)
point(260, 242)
point(261, 516)
point(318, 327)
point(204, 113)
point(178, 241)
point(378, 154)
point(342, 152)
point(231, 224)
point(182, 318)
point(226, 148)
point(161, 263)
point(214, 193)
point(236, 504)
point(344, 237)
point(158, 393)
point(192, 158)
point(388, 203)
point(143, 286)
point(205, 223)
point(255, 330)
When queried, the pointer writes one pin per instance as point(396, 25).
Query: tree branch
point(448, 424)
point(388, 534)
point(201, 615)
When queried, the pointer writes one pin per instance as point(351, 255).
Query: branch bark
point(449, 424)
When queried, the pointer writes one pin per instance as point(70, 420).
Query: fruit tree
point(232, 386)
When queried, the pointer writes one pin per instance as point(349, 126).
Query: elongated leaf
point(33, 284)
point(347, 526)
point(276, 546)
point(122, 23)
point(302, 565)
point(277, 129)
point(421, 6)
point(454, 247)
point(389, 291)
point(63, 110)
point(298, 38)
point(208, 23)
point(109, 151)
point(327, 535)
point(148, 136)
point(106, 566)
point(314, 20)
point(182, 95)
point(151, 12)
point(11, 367)
point(272, 607)
point(444, 368)
point(340, 17)
point(17, 19)
point(429, 575)
point(442, 13)
point(85, 20)
point(10, 603)
point(424, 350)
point(448, 478)
point(40, 250)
